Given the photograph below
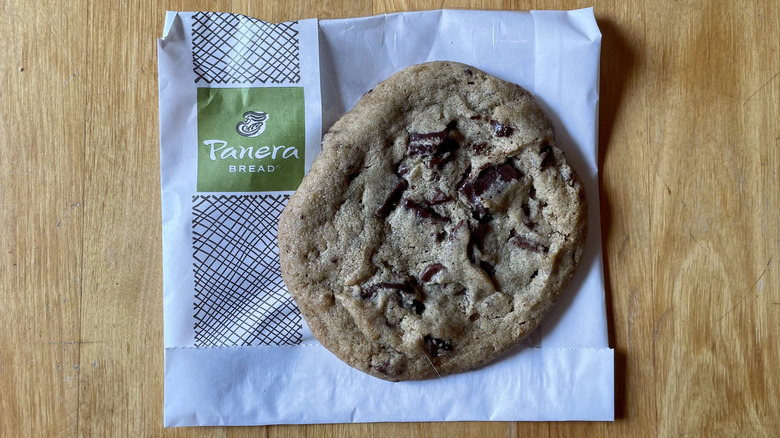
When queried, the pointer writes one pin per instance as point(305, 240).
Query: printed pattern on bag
point(236, 49)
point(240, 297)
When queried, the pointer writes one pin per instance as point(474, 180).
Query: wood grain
point(42, 99)
point(689, 153)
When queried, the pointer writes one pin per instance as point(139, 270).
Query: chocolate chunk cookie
point(436, 228)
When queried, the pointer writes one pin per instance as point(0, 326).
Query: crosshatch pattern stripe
point(240, 297)
point(236, 49)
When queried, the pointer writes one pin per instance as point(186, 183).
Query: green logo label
point(250, 139)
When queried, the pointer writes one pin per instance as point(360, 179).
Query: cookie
point(437, 226)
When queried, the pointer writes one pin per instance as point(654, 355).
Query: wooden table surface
point(689, 138)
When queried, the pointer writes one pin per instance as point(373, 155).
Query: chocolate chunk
point(437, 160)
point(439, 197)
point(445, 152)
point(449, 145)
point(401, 286)
point(478, 211)
point(482, 217)
point(478, 235)
point(489, 269)
point(470, 82)
point(526, 210)
point(467, 189)
point(410, 297)
point(385, 369)
point(527, 221)
point(529, 245)
point(531, 278)
point(437, 347)
point(475, 117)
point(430, 271)
point(369, 292)
point(479, 148)
point(455, 231)
point(426, 144)
point(504, 172)
point(469, 72)
point(390, 367)
point(402, 170)
point(418, 307)
point(423, 212)
point(546, 154)
point(508, 172)
point(473, 190)
point(500, 130)
point(392, 199)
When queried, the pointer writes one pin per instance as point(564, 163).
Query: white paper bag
point(243, 105)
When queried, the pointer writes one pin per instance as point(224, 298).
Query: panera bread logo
point(240, 150)
point(253, 124)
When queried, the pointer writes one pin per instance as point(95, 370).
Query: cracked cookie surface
point(437, 226)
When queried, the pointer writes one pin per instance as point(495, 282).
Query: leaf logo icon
point(253, 125)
